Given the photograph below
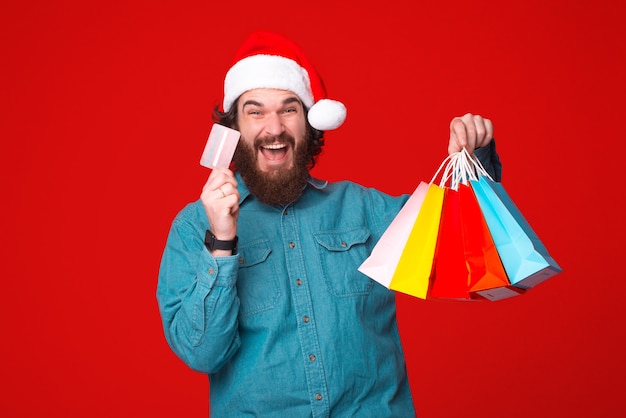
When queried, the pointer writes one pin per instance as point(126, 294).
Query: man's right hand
point(220, 199)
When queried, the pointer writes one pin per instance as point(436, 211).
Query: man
point(259, 286)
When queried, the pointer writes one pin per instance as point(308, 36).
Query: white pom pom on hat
point(268, 60)
point(327, 114)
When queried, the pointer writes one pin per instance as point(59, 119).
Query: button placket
point(302, 305)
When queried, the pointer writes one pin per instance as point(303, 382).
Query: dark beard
point(278, 187)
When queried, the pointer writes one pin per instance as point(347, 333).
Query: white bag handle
point(459, 168)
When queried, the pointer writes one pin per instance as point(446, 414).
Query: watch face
point(209, 240)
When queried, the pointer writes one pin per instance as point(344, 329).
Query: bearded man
point(258, 285)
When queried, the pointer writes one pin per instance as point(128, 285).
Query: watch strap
point(212, 243)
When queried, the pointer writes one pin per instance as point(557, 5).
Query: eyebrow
point(291, 100)
point(287, 101)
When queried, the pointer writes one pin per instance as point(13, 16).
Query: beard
point(276, 187)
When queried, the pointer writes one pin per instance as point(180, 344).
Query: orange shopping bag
point(487, 276)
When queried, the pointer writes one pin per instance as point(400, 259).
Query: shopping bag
point(381, 263)
point(414, 269)
point(450, 278)
point(460, 241)
point(487, 277)
point(525, 258)
point(467, 264)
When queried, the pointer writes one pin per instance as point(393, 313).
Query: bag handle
point(477, 165)
point(459, 168)
point(446, 166)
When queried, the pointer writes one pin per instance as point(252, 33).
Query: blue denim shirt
point(288, 327)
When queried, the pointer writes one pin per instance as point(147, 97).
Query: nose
point(274, 124)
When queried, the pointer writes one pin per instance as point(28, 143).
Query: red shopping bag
point(467, 264)
point(450, 272)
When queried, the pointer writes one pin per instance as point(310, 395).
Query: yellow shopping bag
point(382, 262)
point(413, 272)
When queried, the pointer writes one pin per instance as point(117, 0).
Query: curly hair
point(315, 137)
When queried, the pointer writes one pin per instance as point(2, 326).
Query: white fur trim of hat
point(273, 70)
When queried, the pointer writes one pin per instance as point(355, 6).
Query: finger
point(479, 127)
point(489, 131)
point(219, 177)
point(212, 191)
point(214, 181)
point(484, 131)
point(472, 123)
point(453, 145)
point(458, 132)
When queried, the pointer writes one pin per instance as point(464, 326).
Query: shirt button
point(286, 212)
point(318, 396)
point(292, 245)
point(305, 319)
point(299, 282)
point(211, 271)
point(312, 357)
point(241, 260)
point(343, 244)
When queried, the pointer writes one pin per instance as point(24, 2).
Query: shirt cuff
point(218, 271)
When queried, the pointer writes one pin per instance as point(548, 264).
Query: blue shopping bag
point(524, 257)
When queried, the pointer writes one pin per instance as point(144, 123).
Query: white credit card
point(220, 147)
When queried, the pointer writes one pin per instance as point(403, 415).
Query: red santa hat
point(268, 60)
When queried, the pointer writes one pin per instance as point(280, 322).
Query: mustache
point(273, 139)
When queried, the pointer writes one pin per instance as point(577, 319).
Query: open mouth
point(274, 152)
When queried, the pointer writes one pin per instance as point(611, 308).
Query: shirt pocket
point(341, 252)
point(257, 284)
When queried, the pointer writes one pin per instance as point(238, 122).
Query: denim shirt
point(288, 327)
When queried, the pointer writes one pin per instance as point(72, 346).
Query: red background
point(105, 108)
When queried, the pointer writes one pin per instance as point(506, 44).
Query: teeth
point(274, 146)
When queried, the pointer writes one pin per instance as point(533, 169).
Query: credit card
point(220, 147)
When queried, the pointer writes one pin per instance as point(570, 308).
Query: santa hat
point(268, 60)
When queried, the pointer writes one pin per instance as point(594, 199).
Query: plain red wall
point(105, 108)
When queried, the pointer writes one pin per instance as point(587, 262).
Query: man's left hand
point(469, 131)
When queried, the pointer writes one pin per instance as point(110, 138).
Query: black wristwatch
point(213, 243)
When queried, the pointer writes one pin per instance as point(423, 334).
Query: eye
point(291, 110)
